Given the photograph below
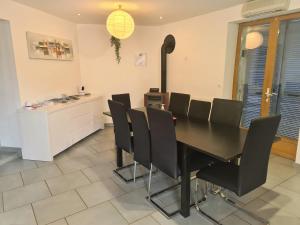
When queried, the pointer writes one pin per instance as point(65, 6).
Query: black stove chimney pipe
point(167, 48)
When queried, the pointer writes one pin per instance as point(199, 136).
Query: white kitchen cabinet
point(49, 130)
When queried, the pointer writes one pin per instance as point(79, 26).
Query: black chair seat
point(221, 174)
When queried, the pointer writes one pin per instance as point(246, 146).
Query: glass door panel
point(251, 71)
point(285, 93)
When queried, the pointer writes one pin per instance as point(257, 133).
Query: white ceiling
point(145, 12)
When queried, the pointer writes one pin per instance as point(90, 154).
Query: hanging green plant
point(117, 44)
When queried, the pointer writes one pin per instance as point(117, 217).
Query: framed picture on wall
point(141, 60)
point(47, 47)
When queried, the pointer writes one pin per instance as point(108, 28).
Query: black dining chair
point(141, 138)
point(226, 112)
point(165, 151)
point(124, 99)
point(123, 138)
point(179, 104)
point(252, 171)
point(199, 110)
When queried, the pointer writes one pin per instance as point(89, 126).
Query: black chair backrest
point(124, 99)
point(199, 110)
point(141, 137)
point(226, 112)
point(255, 158)
point(121, 125)
point(163, 141)
point(179, 104)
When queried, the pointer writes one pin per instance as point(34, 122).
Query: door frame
point(286, 147)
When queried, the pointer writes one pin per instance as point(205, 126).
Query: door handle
point(269, 94)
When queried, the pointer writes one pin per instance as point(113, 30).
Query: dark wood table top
point(221, 142)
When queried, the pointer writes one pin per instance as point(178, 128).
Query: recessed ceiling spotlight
point(78, 14)
point(160, 17)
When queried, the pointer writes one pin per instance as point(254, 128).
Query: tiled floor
point(79, 188)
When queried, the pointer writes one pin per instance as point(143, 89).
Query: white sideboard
point(51, 129)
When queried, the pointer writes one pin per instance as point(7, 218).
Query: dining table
point(221, 142)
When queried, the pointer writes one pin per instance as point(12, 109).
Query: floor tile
point(292, 184)
point(99, 172)
point(104, 135)
point(146, 221)
point(57, 207)
point(19, 216)
point(217, 207)
point(93, 160)
point(281, 170)
point(16, 166)
point(67, 182)
point(127, 158)
point(275, 215)
point(250, 196)
point(79, 151)
point(159, 181)
point(104, 157)
point(281, 160)
point(104, 145)
point(287, 200)
point(25, 195)
point(170, 197)
point(87, 141)
point(40, 174)
point(10, 182)
point(133, 206)
point(71, 165)
point(129, 187)
point(1, 204)
point(8, 154)
point(104, 214)
point(234, 220)
point(194, 219)
point(43, 163)
point(59, 222)
point(273, 181)
point(99, 192)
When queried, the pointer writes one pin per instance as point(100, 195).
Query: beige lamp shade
point(254, 40)
point(120, 24)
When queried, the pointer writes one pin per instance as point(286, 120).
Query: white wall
point(203, 61)
point(197, 66)
point(9, 92)
point(39, 79)
point(101, 73)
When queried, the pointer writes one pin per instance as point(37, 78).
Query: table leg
point(119, 157)
point(185, 182)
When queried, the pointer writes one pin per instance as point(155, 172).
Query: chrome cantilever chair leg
point(228, 200)
point(150, 196)
point(157, 206)
point(128, 180)
point(149, 181)
point(239, 207)
point(197, 203)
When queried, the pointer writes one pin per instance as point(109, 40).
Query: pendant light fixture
point(254, 40)
point(120, 24)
